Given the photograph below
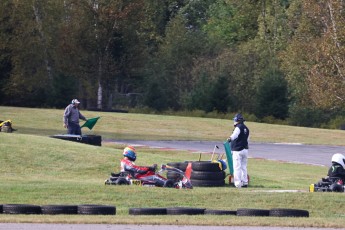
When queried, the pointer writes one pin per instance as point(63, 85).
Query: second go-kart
point(328, 184)
point(152, 179)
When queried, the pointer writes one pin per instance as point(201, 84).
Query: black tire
point(281, 212)
point(202, 175)
point(252, 212)
point(59, 209)
point(21, 209)
point(208, 183)
point(121, 181)
point(205, 166)
point(185, 211)
point(1, 206)
point(174, 176)
point(169, 184)
point(219, 212)
point(179, 165)
point(91, 209)
point(147, 211)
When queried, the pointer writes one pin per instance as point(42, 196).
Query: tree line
point(282, 59)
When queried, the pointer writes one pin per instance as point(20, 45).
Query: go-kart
point(328, 184)
point(152, 179)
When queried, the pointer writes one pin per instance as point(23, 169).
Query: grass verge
point(42, 170)
point(47, 122)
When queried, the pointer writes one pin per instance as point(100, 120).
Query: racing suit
point(141, 173)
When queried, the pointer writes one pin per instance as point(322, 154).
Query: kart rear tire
point(59, 209)
point(219, 212)
point(21, 209)
point(1, 206)
point(205, 166)
point(252, 212)
point(169, 184)
point(147, 211)
point(203, 175)
point(174, 176)
point(336, 187)
point(185, 211)
point(121, 181)
point(281, 212)
point(92, 209)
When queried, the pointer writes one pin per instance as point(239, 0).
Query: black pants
point(74, 129)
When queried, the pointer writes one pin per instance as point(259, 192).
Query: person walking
point(71, 118)
point(239, 148)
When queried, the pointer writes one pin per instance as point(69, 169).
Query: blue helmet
point(238, 118)
point(224, 165)
point(130, 153)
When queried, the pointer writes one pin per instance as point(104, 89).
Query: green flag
point(90, 123)
point(229, 157)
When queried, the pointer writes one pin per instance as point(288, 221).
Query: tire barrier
point(203, 173)
point(205, 166)
point(219, 212)
point(21, 209)
point(281, 212)
point(185, 211)
point(92, 209)
point(95, 209)
point(208, 183)
point(86, 209)
point(252, 212)
point(275, 212)
point(179, 165)
point(147, 211)
point(59, 209)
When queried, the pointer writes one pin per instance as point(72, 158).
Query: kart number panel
point(136, 182)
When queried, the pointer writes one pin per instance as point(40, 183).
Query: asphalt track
point(288, 152)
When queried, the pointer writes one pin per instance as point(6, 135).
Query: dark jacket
point(241, 142)
point(336, 170)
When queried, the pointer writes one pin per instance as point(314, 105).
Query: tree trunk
point(44, 41)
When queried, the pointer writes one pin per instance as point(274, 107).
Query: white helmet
point(75, 101)
point(339, 158)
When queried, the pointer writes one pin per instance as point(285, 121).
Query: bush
point(272, 97)
point(336, 123)
point(306, 117)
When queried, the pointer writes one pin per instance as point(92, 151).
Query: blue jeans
point(74, 129)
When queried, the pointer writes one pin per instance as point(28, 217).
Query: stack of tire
point(203, 173)
point(84, 209)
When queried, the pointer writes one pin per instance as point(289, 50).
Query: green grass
point(36, 169)
point(157, 127)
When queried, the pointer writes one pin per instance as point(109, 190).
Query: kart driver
point(338, 167)
point(127, 164)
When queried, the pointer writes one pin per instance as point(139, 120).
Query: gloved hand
point(153, 167)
